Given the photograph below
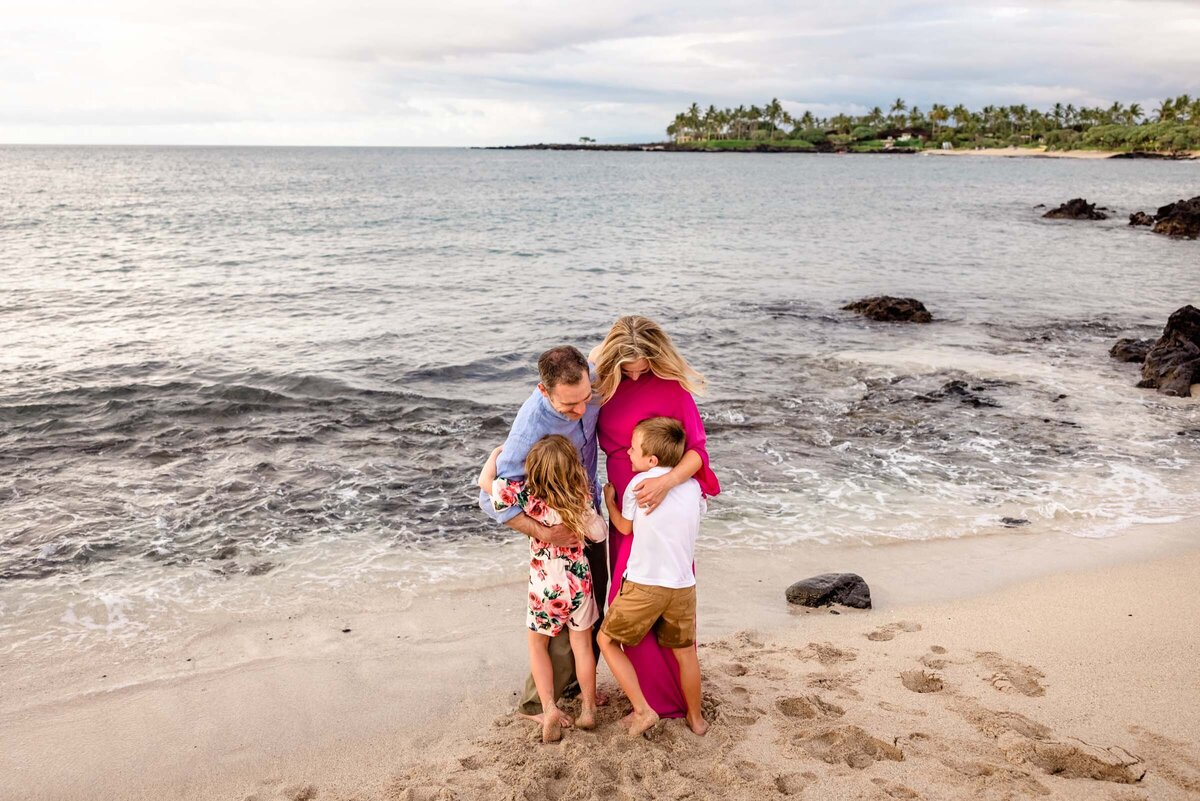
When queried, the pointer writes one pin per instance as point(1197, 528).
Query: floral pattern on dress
point(560, 580)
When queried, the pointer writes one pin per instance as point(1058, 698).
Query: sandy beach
point(1032, 152)
point(968, 679)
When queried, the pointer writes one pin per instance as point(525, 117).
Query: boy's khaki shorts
point(639, 608)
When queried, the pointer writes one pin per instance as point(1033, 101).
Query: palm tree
point(898, 107)
point(774, 113)
point(1133, 113)
point(961, 115)
point(678, 127)
point(1166, 110)
point(938, 113)
point(1183, 105)
point(693, 117)
point(807, 120)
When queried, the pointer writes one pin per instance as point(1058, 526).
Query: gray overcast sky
point(463, 72)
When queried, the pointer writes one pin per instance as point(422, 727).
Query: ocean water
point(224, 366)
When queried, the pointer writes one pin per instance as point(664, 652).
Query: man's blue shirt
point(537, 419)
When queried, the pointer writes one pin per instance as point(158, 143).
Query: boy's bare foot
point(587, 718)
point(699, 726)
point(551, 726)
point(642, 722)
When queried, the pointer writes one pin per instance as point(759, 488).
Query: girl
point(555, 490)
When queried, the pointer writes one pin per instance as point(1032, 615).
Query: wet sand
point(1001, 667)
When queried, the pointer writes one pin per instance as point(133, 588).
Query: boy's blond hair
point(663, 437)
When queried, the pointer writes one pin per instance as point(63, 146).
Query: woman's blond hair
point(554, 475)
point(632, 338)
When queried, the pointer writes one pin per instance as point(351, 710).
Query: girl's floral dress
point(560, 581)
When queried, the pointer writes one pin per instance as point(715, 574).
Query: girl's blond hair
point(554, 475)
point(632, 338)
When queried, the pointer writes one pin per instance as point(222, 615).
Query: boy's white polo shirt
point(664, 543)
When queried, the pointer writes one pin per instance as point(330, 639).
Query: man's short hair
point(561, 365)
point(663, 437)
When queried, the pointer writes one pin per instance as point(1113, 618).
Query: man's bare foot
point(642, 722)
point(699, 726)
point(587, 718)
point(551, 726)
point(563, 717)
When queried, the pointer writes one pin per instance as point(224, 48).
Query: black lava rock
point(1131, 350)
point(891, 310)
point(1076, 209)
point(847, 589)
point(1173, 364)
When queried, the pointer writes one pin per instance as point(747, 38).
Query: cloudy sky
point(465, 72)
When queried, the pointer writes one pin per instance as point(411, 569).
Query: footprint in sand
point(790, 783)
point(921, 682)
point(734, 669)
point(841, 683)
point(849, 745)
point(826, 653)
point(1174, 761)
point(1076, 760)
point(808, 707)
point(895, 790)
point(1012, 677)
point(888, 632)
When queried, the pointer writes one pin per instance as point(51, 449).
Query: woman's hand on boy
point(651, 491)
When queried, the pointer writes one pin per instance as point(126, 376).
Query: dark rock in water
point(891, 310)
point(1181, 219)
point(1014, 522)
point(1173, 364)
point(1131, 350)
point(1076, 209)
point(847, 589)
point(961, 391)
point(1140, 218)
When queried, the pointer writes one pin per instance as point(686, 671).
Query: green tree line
point(1174, 125)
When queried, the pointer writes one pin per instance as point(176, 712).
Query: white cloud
point(470, 72)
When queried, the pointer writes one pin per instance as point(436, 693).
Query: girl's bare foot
point(551, 726)
point(625, 721)
point(699, 726)
point(642, 722)
point(587, 717)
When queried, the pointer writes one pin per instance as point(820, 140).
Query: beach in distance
point(246, 393)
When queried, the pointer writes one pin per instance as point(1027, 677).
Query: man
point(562, 404)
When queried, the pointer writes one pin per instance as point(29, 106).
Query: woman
point(640, 374)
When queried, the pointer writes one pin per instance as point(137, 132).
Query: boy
point(659, 588)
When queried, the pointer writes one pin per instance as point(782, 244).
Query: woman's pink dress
point(633, 402)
